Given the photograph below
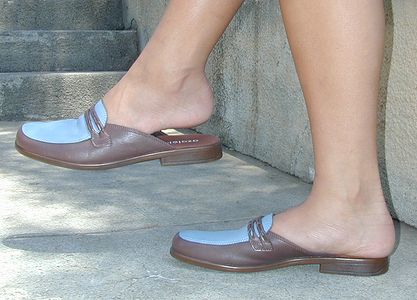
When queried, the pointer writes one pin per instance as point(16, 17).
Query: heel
point(357, 267)
point(193, 156)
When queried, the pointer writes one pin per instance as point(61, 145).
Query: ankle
point(325, 223)
point(165, 71)
point(167, 79)
point(351, 190)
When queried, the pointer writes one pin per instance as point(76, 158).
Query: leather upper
point(90, 142)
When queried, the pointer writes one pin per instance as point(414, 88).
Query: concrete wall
point(260, 110)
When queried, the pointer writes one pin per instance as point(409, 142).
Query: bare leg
point(166, 87)
point(338, 49)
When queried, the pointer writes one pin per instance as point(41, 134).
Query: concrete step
point(51, 95)
point(61, 14)
point(24, 51)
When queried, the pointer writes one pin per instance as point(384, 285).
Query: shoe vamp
point(236, 255)
point(124, 145)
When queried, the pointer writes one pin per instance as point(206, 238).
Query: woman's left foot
point(344, 235)
point(256, 247)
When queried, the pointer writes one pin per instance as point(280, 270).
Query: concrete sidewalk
point(106, 235)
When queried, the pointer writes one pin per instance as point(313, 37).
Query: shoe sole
point(167, 158)
point(330, 265)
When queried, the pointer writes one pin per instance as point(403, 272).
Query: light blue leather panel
point(63, 131)
point(225, 237)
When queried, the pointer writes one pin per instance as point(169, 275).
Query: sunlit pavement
point(69, 234)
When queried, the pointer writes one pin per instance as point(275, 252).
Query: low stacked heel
point(193, 156)
point(358, 267)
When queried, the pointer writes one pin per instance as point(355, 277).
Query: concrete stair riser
point(67, 50)
point(61, 14)
point(58, 57)
point(35, 96)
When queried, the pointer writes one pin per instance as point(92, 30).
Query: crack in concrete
point(298, 149)
point(154, 226)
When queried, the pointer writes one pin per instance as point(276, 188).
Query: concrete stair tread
point(31, 73)
point(54, 50)
point(66, 30)
point(51, 95)
point(61, 14)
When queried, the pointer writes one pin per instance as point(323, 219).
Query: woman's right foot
point(91, 142)
point(118, 130)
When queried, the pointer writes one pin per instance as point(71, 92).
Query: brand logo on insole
point(190, 141)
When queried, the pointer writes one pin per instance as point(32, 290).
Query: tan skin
point(338, 49)
point(166, 87)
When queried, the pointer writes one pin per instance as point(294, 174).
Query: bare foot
point(151, 99)
point(360, 226)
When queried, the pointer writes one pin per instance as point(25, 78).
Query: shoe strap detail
point(257, 237)
point(98, 139)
